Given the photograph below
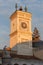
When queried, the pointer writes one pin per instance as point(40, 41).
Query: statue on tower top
point(20, 8)
point(25, 8)
point(16, 6)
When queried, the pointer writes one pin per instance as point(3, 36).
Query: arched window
point(8, 64)
point(24, 64)
point(0, 64)
point(32, 64)
point(16, 64)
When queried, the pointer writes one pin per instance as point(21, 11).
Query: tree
point(36, 35)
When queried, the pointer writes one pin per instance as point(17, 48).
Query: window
point(24, 64)
point(0, 64)
point(8, 64)
point(32, 64)
point(16, 64)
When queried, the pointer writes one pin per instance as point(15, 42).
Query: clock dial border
point(24, 25)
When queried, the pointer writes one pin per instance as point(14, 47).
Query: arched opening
point(8, 64)
point(24, 64)
point(32, 64)
point(16, 64)
point(0, 64)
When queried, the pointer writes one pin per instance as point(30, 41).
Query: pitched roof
point(38, 44)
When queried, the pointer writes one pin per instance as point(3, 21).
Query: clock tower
point(20, 28)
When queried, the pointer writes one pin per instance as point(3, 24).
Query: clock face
point(24, 25)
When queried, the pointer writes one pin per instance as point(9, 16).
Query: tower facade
point(20, 28)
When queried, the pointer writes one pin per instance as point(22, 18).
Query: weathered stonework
point(18, 33)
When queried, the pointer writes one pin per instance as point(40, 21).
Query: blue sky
point(7, 7)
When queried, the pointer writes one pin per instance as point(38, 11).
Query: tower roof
point(16, 12)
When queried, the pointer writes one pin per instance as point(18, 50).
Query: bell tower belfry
point(20, 27)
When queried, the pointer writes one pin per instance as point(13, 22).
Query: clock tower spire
point(20, 28)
